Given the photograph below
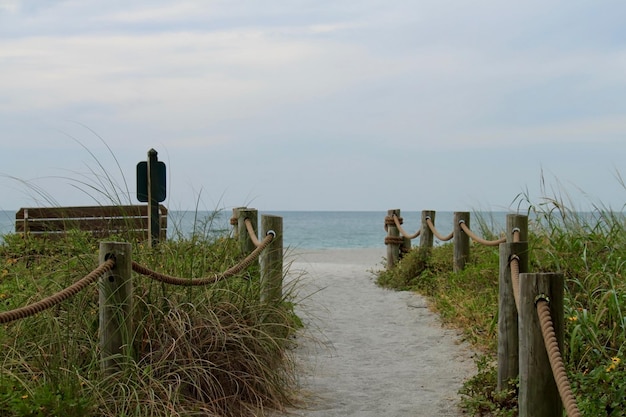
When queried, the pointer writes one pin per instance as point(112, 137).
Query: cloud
point(156, 12)
point(177, 80)
point(10, 6)
point(310, 83)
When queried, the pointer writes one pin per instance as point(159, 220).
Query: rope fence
point(115, 289)
point(59, 297)
point(398, 241)
point(436, 233)
point(530, 310)
point(479, 239)
point(530, 320)
point(238, 268)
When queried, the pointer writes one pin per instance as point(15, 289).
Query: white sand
point(367, 351)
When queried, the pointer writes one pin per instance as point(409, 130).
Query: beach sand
point(367, 351)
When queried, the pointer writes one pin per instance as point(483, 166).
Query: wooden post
point(272, 261)
point(392, 241)
point(115, 304)
point(427, 237)
point(154, 218)
point(461, 240)
point(538, 394)
point(516, 222)
point(508, 330)
point(234, 221)
point(245, 241)
point(25, 222)
point(406, 246)
point(508, 336)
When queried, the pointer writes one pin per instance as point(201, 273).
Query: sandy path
point(378, 352)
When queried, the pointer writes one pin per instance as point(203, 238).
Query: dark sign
point(142, 181)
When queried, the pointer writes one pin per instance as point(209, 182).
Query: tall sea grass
point(198, 351)
point(206, 351)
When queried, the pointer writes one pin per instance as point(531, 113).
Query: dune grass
point(590, 250)
point(206, 351)
point(210, 351)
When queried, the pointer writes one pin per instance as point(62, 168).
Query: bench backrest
point(129, 221)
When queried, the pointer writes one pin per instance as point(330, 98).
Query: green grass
point(214, 350)
point(590, 250)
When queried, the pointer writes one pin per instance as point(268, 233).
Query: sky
point(315, 105)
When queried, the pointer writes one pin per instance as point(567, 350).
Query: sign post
point(151, 189)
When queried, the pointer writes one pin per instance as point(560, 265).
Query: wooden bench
point(128, 221)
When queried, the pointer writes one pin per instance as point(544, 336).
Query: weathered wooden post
point(461, 240)
point(427, 237)
point(245, 240)
point(538, 393)
point(508, 332)
point(234, 221)
point(405, 247)
point(153, 202)
point(516, 222)
point(115, 304)
point(393, 239)
point(271, 260)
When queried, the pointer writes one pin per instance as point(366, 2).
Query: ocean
point(314, 229)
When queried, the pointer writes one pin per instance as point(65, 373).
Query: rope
point(478, 239)
point(46, 303)
point(398, 221)
point(245, 263)
point(431, 226)
point(252, 233)
point(514, 264)
point(394, 240)
point(390, 221)
point(556, 361)
point(516, 235)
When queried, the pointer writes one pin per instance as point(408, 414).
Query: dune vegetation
point(211, 351)
point(589, 248)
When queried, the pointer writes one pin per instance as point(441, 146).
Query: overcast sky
point(314, 105)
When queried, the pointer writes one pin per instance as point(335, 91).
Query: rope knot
point(394, 240)
point(391, 220)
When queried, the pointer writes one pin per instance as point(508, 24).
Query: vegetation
point(210, 351)
point(590, 250)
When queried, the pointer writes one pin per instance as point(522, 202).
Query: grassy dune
point(590, 250)
point(210, 351)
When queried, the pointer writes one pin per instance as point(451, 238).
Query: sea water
point(312, 229)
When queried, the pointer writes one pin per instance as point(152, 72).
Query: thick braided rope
point(48, 302)
point(394, 240)
point(398, 223)
point(251, 232)
point(514, 264)
point(390, 221)
point(556, 361)
point(432, 228)
point(479, 239)
point(167, 279)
